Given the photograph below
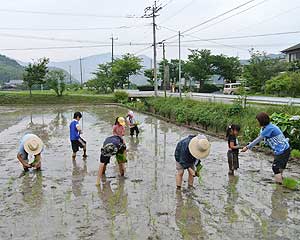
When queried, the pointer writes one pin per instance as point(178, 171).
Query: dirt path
point(62, 202)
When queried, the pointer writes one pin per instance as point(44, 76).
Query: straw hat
point(121, 121)
point(33, 145)
point(199, 147)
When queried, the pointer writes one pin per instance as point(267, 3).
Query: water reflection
point(279, 204)
point(78, 175)
point(232, 197)
point(188, 218)
point(115, 201)
point(32, 189)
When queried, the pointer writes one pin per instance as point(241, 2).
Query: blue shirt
point(183, 155)
point(274, 138)
point(74, 133)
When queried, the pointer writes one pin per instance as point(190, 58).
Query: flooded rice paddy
point(62, 201)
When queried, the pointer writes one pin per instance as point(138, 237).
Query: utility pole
point(165, 74)
point(179, 64)
point(70, 73)
point(81, 81)
point(153, 14)
point(112, 47)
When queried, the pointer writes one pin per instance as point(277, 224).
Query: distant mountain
point(271, 55)
point(9, 69)
point(89, 65)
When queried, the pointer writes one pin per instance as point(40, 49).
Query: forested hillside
point(9, 69)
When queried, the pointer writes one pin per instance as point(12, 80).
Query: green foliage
point(55, 80)
point(35, 73)
point(121, 96)
point(295, 153)
point(209, 88)
point(103, 81)
point(285, 84)
point(290, 126)
point(291, 183)
point(227, 67)
point(149, 74)
point(10, 69)
point(261, 69)
point(124, 67)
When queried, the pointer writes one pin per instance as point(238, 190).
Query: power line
point(242, 37)
point(142, 50)
point(70, 29)
point(176, 13)
point(61, 39)
point(233, 15)
point(67, 14)
point(212, 19)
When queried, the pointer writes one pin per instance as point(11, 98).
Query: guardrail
point(219, 97)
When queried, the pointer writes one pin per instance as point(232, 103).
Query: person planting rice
point(188, 153)
point(133, 124)
point(275, 139)
point(119, 127)
point(233, 148)
point(76, 140)
point(30, 144)
point(113, 145)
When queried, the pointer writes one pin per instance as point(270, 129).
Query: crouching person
point(113, 145)
point(30, 144)
point(188, 153)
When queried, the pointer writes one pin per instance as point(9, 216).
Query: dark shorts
point(280, 161)
point(120, 156)
point(76, 144)
point(233, 160)
point(134, 129)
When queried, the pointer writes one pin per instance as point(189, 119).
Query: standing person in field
point(119, 127)
point(232, 133)
point(30, 144)
point(188, 153)
point(113, 145)
point(75, 132)
point(275, 139)
point(133, 125)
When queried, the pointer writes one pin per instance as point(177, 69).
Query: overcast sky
point(22, 27)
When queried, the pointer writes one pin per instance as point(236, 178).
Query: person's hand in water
point(244, 149)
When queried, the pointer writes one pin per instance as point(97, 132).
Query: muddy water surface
point(62, 201)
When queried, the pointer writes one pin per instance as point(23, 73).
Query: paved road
point(221, 98)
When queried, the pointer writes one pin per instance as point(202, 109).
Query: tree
point(285, 84)
point(103, 80)
point(149, 74)
point(261, 69)
point(55, 80)
point(228, 67)
point(199, 65)
point(35, 73)
point(124, 67)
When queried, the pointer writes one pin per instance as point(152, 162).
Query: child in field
point(119, 127)
point(133, 125)
point(188, 153)
point(76, 140)
point(113, 145)
point(30, 144)
point(233, 147)
point(275, 139)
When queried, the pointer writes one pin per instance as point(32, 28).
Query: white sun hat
point(199, 147)
point(33, 145)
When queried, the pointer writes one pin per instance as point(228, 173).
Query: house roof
point(293, 48)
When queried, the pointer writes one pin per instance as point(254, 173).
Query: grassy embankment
point(211, 117)
point(48, 97)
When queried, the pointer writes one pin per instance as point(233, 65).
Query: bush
point(121, 96)
point(145, 88)
point(285, 84)
point(295, 153)
point(208, 88)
